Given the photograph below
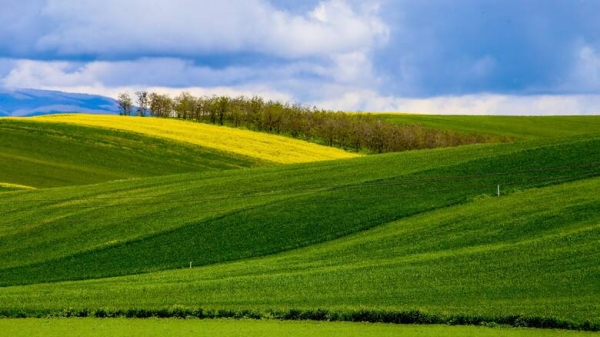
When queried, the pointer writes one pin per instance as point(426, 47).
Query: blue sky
point(435, 56)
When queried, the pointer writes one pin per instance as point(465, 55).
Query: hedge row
point(370, 316)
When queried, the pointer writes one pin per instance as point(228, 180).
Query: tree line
point(351, 131)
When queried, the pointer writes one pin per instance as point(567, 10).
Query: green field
point(419, 231)
point(540, 254)
point(215, 220)
point(516, 127)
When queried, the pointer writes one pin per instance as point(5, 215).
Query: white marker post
point(498, 191)
point(190, 264)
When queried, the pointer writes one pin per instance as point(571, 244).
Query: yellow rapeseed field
point(268, 147)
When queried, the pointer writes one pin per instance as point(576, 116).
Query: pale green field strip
point(517, 127)
point(250, 328)
point(532, 253)
point(4, 187)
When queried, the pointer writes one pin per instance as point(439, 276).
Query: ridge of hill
point(267, 147)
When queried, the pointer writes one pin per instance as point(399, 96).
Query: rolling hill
point(493, 257)
point(83, 149)
point(419, 230)
point(52, 155)
point(273, 148)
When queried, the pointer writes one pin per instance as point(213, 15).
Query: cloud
point(479, 104)
point(110, 78)
point(343, 83)
point(117, 29)
point(102, 46)
point(467, 47)
point(33, 74)
point(302, 78)
point(470, 57)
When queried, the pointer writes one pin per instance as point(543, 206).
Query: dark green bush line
point(368, 316)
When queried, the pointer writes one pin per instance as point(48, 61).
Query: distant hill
point(32, 102)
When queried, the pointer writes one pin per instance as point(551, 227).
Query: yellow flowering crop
point(268, 147)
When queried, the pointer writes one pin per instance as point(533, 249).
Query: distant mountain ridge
point(32, 102)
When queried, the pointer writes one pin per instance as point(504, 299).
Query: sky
point(497, 57)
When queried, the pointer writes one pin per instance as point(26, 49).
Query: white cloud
point(111, 78)
point(304, 78)
point(151, 43)
point(143, 72)
point(34, 74)
point(478, 104)
point(187, 28)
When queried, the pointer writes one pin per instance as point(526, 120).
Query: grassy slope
point(231, 328)
point(408, 235)
point(517, 127)
point(51, 155)
point(267, 147)
point(529, 253)
point(126, 210)
point(164, 223)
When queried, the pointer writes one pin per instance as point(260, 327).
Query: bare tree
point(142, 101)
point(125, 104)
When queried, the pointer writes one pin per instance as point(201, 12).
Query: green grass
point(516, 127)
point(52, 155)
point(533, 253)
point(125, 210)
point(249, 328)
point(420, 230)
point(156, 224)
